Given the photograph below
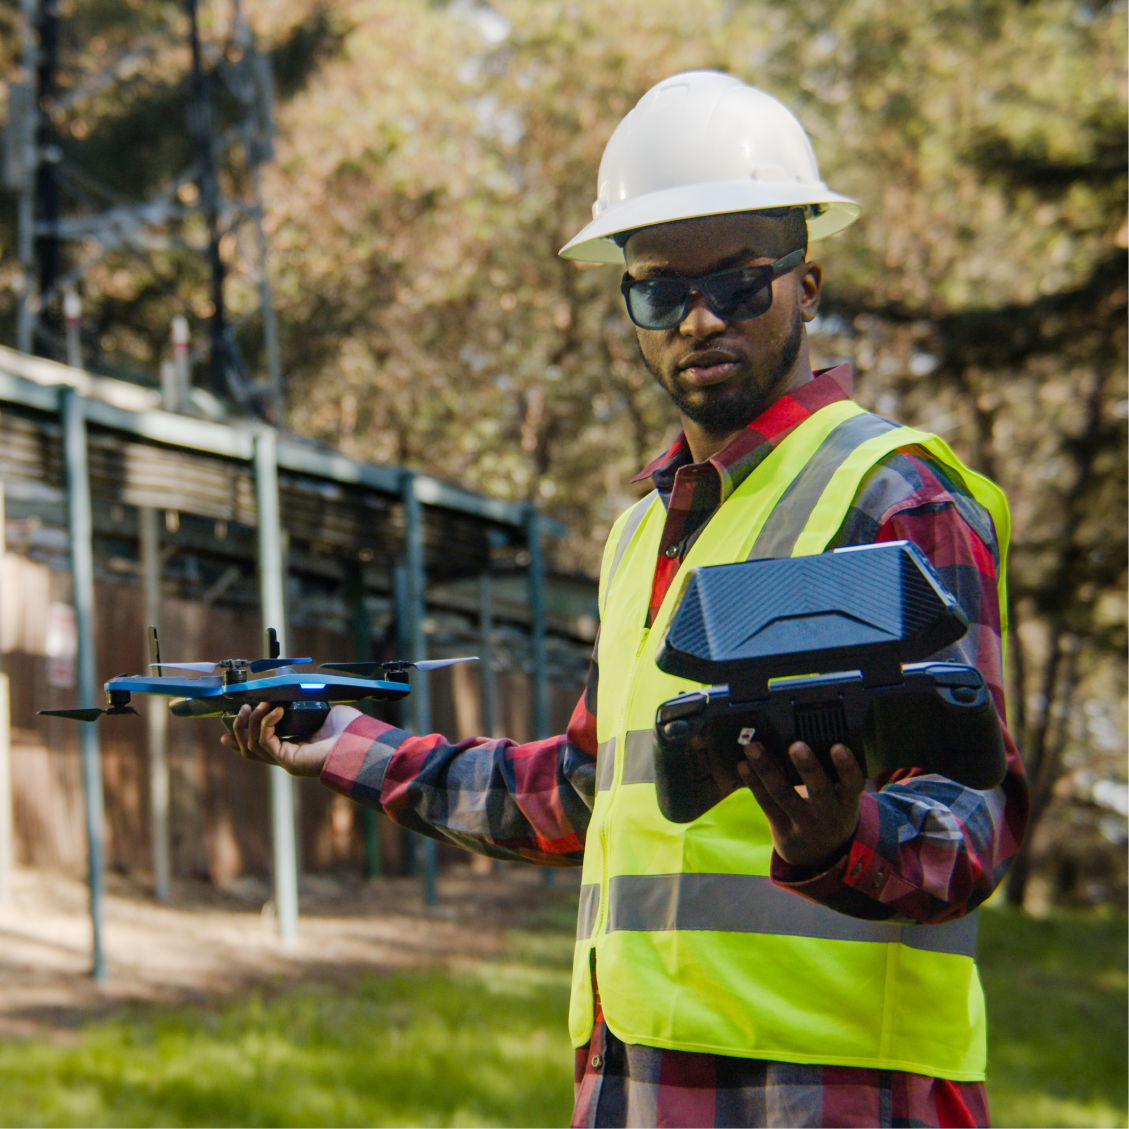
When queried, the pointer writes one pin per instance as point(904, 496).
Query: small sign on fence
point(62, 645)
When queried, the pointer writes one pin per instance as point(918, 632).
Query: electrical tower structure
point(69, 220)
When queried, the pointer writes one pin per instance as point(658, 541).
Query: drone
point(225, 685)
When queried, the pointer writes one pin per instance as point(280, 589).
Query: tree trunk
point(1049, 745)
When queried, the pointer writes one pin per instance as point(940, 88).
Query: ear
point(809, 279)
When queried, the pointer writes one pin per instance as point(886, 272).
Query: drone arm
point(198, 707)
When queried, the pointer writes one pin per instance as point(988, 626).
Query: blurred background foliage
point(432, 157)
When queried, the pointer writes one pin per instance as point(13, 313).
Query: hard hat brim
point(595, 243)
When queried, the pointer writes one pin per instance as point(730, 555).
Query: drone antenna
point(273, 648)
point(154, 649)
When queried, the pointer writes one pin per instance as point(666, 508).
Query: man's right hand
point(253, 735)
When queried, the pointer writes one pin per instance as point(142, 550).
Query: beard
point(720, 414)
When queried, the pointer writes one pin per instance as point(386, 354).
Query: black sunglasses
point(746, 292)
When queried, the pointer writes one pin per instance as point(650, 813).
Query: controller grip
point(684, 781)
point(950, 730)
point(942, 720)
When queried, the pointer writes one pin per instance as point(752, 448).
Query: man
point(793, 957)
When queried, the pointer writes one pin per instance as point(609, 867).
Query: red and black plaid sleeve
point(928, 849)
point(490, 795)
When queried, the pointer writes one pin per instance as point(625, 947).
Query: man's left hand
point(811, 831)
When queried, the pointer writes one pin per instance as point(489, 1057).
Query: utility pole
point(57, 246)
point(202, 129)
point(47, 249)
point(22, 163)
point(255, 89)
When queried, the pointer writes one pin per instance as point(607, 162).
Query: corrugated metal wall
point(321, 517)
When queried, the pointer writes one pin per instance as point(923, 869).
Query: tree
point(433, 158)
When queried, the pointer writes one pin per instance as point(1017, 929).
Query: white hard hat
point(703, 144)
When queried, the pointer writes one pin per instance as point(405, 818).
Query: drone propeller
point(435, 664)
point(271, 664)
point(255, 667)
point(87, 715)
point(119, 703)
point(365, 670)
point(79, 715)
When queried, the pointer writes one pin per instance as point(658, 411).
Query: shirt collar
point(751, 446)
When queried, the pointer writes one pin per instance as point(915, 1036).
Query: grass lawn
point(1057, 1035)
point(484, 1047)
point(488, 1046)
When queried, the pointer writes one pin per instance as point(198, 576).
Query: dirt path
point(207, 942)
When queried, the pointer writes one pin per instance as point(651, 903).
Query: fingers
point(264, 717)
point(767, 780)
point(252, 732)
point(852, 777)
point(819, 786)
point(767, 783)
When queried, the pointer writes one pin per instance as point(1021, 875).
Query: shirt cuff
point(859, 866)
point(359, 759)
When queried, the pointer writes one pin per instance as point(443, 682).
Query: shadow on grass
point(1057, 1032)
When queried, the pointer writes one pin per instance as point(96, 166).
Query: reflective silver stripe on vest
point(586, 914)
point(638, 760)
point(639, 757)
point(749, 903)
point(790, 515)
point(605, 764)
point(634, 520)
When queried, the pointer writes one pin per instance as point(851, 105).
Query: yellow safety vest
point(696, 949)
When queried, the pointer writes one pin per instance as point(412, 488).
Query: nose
point(699, 320)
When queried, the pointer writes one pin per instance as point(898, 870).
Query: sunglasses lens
point(661, 303)
point(737, 294)
point(657, 303)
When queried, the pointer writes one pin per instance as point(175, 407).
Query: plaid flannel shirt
point(926, 850)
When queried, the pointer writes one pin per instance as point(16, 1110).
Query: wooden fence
point(220, 808)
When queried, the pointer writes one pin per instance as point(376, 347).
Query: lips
point(710, 366)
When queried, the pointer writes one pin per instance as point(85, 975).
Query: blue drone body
point(306, 698)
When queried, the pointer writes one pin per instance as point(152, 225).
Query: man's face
point(723, 374)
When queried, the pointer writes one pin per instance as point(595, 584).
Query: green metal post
point(417, 649)
point(271, 589)
point(536, 580)
point(81, 523)
point(5, 754)
point(403, 650)
point(362, 649)
point(486, 663)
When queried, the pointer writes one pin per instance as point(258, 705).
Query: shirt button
point(672, 551)
point(597, 1062)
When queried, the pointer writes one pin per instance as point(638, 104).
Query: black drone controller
point(820, 649)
